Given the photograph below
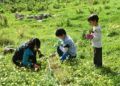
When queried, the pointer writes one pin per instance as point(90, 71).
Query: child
point(95, 36)
point(25, 55)
point(67, 48)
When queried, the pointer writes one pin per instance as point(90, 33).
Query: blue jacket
point(26, 57)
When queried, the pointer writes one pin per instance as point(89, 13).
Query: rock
point(36, 17)
point(39, 17)
point(19, 16)
point(46, 15)
point(8, 50)
point(30, 17)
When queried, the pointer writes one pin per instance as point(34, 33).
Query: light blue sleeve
point(26, 57)
point(64, 56)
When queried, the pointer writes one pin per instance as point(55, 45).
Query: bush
point(108, 13)
point(79, 11)
point(95, 2)
point(1, 11)
point(105, 1)
point(13, 9)
point(107, 7)
point(83, 34)
point(56, 6)
point(118, 8)
point(30, 5)
point(40, 7)
point(60, 24)
point(6, 41)
point(111, 34)
point(68, 23)
point(3, 21)
point(92, 10)
point(21, 7)
point(77, 3)
point(82, 54)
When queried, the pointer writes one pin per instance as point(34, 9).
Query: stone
point(19, 16)
point(8, 50)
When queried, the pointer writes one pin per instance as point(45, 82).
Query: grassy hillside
point(72, 15)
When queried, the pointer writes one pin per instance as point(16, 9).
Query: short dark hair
point(60, 32)
point(93, 17)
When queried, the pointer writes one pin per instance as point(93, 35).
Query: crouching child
point(66, 48)
point(25, 55)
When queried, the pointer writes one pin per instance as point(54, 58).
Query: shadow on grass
point(107, 70)
point(114, 76)
point(73, 62)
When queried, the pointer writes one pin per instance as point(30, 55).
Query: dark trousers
point(17, 58)
point(60, 53)
point(98, 57)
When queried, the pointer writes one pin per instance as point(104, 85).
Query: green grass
point(73, 17)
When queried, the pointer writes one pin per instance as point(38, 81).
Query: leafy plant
point(107, 7)
point(68, 23)
point(6, 41)
point(79, 11)
point(112, 34)
point(95, 2)
point(93, 10)
point(56, 6)
point(3, 21)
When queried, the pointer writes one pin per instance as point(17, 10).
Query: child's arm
point(89, 36)
point(39, 53)
point(65, 54)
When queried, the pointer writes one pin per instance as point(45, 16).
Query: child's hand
point(36, 67)
point(89, 36)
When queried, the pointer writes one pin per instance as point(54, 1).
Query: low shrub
point(68, 23)
point(111, 34)
point(95, 2)
point(93, 10)
point(107, 7)
point(6, 41)
point(3, 21)
point(56, 6)
point(79, 11)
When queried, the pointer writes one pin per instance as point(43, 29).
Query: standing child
point(67, 47)
point(25, 55)
point(95, 36)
